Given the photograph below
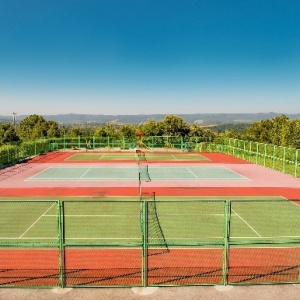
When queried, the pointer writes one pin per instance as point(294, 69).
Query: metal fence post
point(61, 244)
point(145, 242)
point(227, 216)
point(296, 162)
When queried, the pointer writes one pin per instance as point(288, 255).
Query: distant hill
point(201, 119)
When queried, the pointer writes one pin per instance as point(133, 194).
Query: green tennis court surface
point(87, 173)
point(171, 222)
point(133, 156)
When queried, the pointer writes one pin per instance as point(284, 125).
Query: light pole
point(14, 119)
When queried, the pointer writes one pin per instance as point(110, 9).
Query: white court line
point(200, 214)
point(101, 156)
point(83, 238)
point(68, 158)
point(123, 238)
point(294, 203)
point(28, 238)
point(30, 178)
point(36, 221)
point(97, 238)
point(85, 173)
point(175, 157)
point(245, 178)
point(104, 238)
point(266, 237)
point(85, 180)
point(84, 216)
point(137, 215)
point(192, 173)
point(247, 223)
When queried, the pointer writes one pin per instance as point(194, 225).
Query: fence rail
point(149, 242)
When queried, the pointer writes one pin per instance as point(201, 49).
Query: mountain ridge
point(198, 118)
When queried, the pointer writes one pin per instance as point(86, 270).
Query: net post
point(153, 195)
point(138, 156)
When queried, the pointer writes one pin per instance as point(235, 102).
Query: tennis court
point(182, 221)
point(86, 173)
point(148, 242)
point(119, 222)
point(133, 156)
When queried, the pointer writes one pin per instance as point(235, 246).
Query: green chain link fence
point(283, 159)
point(149, 242)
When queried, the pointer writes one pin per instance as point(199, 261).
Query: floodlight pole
point(14, 119)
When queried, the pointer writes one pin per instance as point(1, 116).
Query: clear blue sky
point(149, 56)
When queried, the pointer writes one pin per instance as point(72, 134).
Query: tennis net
point(143, 175)
point(155, 235)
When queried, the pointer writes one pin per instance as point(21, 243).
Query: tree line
point(279, 131)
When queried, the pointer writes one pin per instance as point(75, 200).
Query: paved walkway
point(263, 292)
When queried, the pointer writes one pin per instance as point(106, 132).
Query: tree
point(149, 128)
point(32, 127)
point(294, 137)
point(74, 132)
point(280, 130)
point(232, 134)
point(127, 131)
point(196, 130)
point(259, 131)
point(53, 129)
point(174, 126)
point(8, 134)
point(110, 130)
point(99, 131)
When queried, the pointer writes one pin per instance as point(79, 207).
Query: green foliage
point(149, 128)
point(294, 130)
point(8, 134)
point(8, 154)
point(53, 129)
point(110, 130)
point(259, 131)
point(127, 131)
point(35, 127)
point(74, 132)
point(99, 131)
point(174, 126)
point(280, 131)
